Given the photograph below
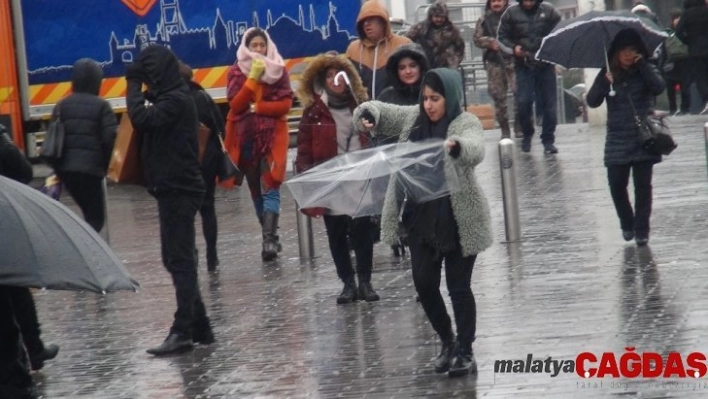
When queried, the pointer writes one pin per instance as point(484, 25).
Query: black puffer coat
point(526, 28)
point(89, 123)
point(399, 93)
point(642, 83)
point(169, 126)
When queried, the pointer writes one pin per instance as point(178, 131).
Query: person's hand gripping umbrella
point(609, 75)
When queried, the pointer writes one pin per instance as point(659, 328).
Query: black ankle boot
point(212, 260)
point(463, 364)
point(445, 358)
point(48, 352)
point(366, 291)
point(348, 294)
point(175, 343)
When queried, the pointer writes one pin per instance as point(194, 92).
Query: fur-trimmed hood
point(312, 79)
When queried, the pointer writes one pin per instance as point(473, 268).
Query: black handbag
point(654, 132)
point(227, 168)
point(53, 145)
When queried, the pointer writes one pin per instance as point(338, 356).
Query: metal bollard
point(509, 196)
point(304, 235)
point(104, 232)
point(705, 135)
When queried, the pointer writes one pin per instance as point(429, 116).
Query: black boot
point(37, 359)
point(348, 294)
point(202, 332)
point(175, 343)
point(212, 259)
point(447, 355)
point(270, 227)
point(366, 291)
point(463, 364)
point(505, 130)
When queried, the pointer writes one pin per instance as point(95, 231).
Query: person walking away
point(376, 43)
point(521, 29)
point(636, 82)
point(326, 130)
point(440, 38)
point(210, 116)
point(257, 137)
point(692, 29)
point(499, 66)
point(169, 156)
point(454, 228)
point(89, 134)
point(18, 315)
point(675, 68)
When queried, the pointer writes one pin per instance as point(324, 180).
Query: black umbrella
point(582, 42)
point(43, 244)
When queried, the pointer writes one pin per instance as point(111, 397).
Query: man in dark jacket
point(521, 30)
point(692, 29)
point(439, 37)
point(90, 132)
point(169, 153)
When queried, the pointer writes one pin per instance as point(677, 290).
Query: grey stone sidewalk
point(572, 285)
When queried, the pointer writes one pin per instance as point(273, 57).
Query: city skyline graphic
point(310, 27)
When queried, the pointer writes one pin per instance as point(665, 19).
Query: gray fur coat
point(469, 205)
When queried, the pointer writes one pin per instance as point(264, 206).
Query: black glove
point(455, 150)
point(134, 72)
point(366, 114)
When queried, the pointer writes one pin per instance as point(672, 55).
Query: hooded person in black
point(90, 132)
point(169, 153)
point(407, 61)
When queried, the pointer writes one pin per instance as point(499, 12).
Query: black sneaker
point(549, 148)
point(447, 354)
point(642, 240)
point(175, 343)
point(628, 235)
point(48, 353)
point(463, 365)
point(526, 144)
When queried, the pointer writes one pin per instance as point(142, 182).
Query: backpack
point(675, 48)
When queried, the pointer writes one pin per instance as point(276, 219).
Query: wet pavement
point(572, 285)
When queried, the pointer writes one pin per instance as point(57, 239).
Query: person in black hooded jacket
point(405, 67)
point(171, 167)
point(90, 132)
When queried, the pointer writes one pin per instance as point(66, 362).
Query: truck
point(41, 39)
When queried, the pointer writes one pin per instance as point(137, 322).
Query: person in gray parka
point(454, 228)
point(636, 83)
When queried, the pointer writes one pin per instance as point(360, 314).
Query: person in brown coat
point(327, 130)
point(376, 43)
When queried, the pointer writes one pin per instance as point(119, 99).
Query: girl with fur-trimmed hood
point(327, 130)
point(454, 228)
point(439, 37)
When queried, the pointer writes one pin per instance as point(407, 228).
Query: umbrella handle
point(612, 92)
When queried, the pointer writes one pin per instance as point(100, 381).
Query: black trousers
point(207, 211)
point(15, 378)
point(340, 230)
point(426, 263)
point(87, 191)
point(177, 212)
point(26, 318)
point(636, 220)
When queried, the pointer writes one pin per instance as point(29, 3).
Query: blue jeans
point(537, 82)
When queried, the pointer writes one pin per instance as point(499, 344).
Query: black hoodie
point(169, 126)
point(89, 123)
point(399, 93)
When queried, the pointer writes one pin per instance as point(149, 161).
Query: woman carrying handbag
point(636, 83)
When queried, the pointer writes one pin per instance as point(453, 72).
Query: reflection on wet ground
point(572, 285)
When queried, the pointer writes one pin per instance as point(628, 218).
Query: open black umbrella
point(44, 244)
point(582, 42)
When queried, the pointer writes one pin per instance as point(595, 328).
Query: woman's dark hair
point(254, 33)
point(433, 81)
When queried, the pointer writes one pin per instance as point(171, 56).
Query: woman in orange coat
point(257, 139)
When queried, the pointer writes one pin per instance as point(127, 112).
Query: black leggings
point(636, 220)
point(426, 263)
point(87, 191)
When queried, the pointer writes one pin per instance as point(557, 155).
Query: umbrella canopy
point(355, 183)
point(45, 245)
point(582, 42)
